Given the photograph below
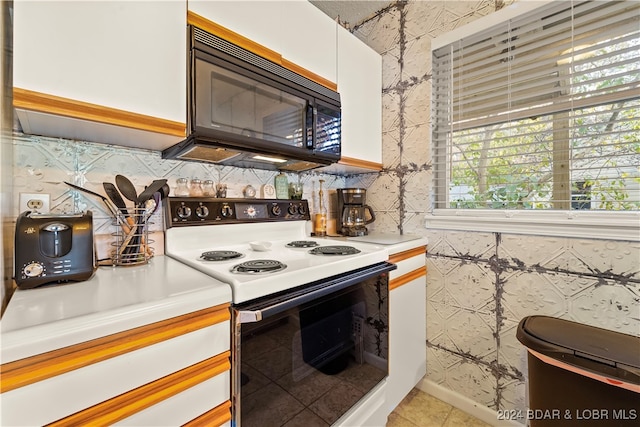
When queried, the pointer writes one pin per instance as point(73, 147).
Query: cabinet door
point(407, 339)
point(295, 29)
point(260, 21)
point(360, 87)
point(310, 39)
point(124, 55)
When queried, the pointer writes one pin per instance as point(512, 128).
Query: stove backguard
point(193, 211)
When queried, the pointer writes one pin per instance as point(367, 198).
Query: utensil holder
point(132, 245)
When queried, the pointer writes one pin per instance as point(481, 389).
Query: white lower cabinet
point(407, 325)
point(173, 372)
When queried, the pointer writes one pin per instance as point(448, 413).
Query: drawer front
point(65, 394)
point(186, 406)
point(70, 379)
point(407, 266)
point(408, 261)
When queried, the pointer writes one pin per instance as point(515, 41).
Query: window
point(541, 111)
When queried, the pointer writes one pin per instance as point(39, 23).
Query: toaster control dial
point(33, 269)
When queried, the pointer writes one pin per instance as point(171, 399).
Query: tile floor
point(420, 409)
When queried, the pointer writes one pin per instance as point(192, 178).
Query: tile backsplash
point(42, 164)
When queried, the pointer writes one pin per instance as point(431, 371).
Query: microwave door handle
point(342, 282)
point(310, 124)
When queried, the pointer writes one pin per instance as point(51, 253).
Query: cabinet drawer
point(73, 391)
point(185, 406)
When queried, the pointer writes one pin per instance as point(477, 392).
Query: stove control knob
point(183, 212)
point(226, 211)
point(33, 269)
point(292, 209)
point(275, 210)
point(302, 210)
point(202, 211)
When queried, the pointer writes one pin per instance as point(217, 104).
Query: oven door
point(309, 355)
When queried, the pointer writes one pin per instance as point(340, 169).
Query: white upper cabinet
point(360, 86)
point(128, 56)
point(296, 30)
point(311, 39)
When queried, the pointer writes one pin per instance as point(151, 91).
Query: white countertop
point(393, 242)
point(113, 300)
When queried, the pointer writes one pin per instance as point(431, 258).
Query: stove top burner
point(302, 244)
point(220, 255)
point(334, 250)
point(258, 266)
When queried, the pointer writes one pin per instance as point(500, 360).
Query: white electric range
point(200, 231)
point(306, 311)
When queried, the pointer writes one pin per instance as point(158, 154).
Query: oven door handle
point(263, 310)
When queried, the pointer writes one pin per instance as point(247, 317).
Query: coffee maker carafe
point(355, 214)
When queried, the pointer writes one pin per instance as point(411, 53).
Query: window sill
point(590, 225)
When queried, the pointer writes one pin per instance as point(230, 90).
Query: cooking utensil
point(148, 192)
point(164, 191)
point(146, 204)
point(112, 209)
point(134, 247)
point(115, 197)
point(127, 188)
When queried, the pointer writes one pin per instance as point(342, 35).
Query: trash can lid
point(587, 346)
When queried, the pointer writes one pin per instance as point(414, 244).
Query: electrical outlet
point(34, 202)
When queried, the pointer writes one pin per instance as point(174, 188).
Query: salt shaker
point(196, 188)
point(182, 189)
point(207, 188)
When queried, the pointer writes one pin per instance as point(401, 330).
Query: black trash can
point(580, 375)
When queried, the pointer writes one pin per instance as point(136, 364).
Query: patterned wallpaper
point(479, 285)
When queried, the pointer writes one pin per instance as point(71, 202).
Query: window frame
point(613, 225)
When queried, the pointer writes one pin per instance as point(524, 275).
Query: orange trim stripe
point(309, 74)
point(350, 161)
point(52, 104)
point(134, 401)
point(215, 417)
point(233, 37)
point(406, 278)
point(401, 256)
point(50, 364)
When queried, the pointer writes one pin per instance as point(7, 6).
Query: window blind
point(541, 111)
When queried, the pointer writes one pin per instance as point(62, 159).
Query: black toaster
point(53, 248)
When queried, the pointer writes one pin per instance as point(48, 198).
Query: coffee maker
point(354, 213)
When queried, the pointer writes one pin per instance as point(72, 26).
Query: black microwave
point(246, 111)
